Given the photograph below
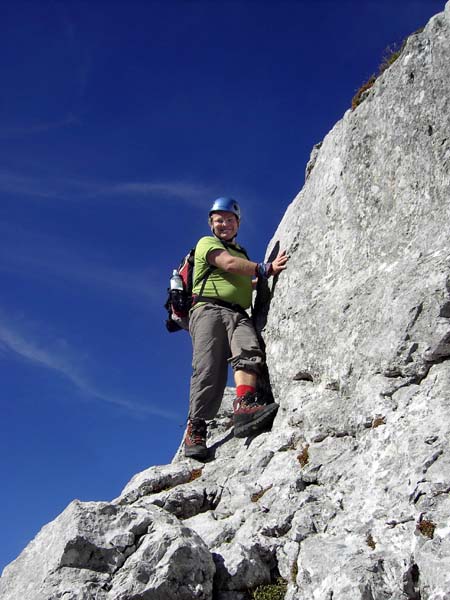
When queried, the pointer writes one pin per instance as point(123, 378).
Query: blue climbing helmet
point(226, 204)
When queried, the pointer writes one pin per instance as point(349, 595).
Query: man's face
point(225, 225)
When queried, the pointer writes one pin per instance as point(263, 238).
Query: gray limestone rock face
point(367, 290)
point(102, 551)
point(348, 495)
point(357, 336)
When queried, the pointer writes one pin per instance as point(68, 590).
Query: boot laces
point(250, 399)
point(197, 431)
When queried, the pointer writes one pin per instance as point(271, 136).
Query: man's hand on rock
point(279, 263)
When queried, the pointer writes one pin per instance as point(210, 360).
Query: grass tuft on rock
point(272, 591)
point(391, 54)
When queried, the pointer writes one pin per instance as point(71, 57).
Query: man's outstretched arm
point(241, 266)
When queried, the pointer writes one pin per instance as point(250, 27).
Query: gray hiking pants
point(220, 336)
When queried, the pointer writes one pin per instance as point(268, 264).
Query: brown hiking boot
point(195, 439)
point(250, 416)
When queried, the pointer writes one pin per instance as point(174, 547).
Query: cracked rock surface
point(105, 551)
point(348, 496)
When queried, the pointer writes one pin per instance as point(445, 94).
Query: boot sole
point(196, 452)
point(259, 422)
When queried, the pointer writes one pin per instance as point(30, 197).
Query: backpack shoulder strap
point(240, 249)
point(208, 272)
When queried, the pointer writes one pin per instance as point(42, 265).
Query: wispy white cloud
point(183, 191)
point(40, 353)
point(71, 189)
point(12, 183)
point(15, 131)
point(52, 188)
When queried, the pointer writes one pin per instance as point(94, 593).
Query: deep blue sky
point(120, 122)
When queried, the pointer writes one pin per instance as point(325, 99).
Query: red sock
point(241, 390)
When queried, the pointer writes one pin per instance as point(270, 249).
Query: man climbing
point(222, 332)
